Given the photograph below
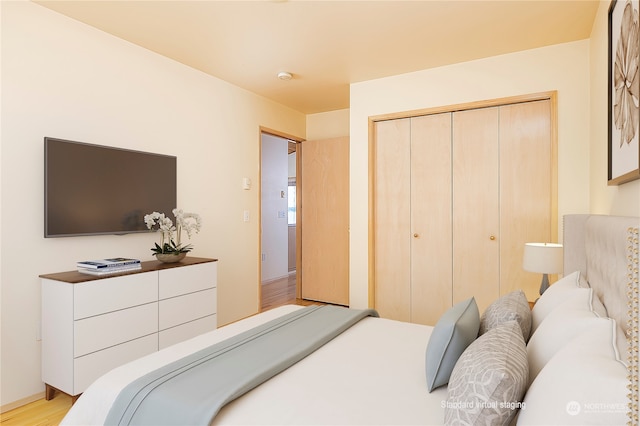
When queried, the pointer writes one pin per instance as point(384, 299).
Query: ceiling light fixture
point(286, 76)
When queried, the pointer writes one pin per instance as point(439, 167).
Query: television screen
point(92, 189)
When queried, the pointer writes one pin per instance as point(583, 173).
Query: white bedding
point(374, 373)
point(371, 374)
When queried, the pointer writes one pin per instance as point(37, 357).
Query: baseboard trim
point(19, 403)
point(272, 280)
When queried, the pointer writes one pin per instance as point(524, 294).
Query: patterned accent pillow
point(454, 331)
point(510, 307)
point(489, 381)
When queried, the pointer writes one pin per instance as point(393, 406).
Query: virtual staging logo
point(574, 407)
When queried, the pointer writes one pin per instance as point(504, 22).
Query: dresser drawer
point(102, 331)
point(176, 281)
point(181, 309)
point(89, 367)
point(91, 325)
point(186, 331)
point(107, 295)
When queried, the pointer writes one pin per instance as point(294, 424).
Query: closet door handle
point(492, 237)
point(416, 235)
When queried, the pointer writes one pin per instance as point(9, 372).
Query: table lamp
point(544, 258)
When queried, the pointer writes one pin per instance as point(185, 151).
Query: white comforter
point(372, 374)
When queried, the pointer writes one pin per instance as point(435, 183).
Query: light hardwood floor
point(281, 292)
point(38, 413)
point(49, 413)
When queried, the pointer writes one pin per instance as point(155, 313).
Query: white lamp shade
point(544, 258)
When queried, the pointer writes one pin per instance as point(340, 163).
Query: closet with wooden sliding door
point(456, 193)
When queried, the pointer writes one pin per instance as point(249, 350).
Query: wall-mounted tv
point(93, 189)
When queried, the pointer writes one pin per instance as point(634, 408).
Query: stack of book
point(108, 266)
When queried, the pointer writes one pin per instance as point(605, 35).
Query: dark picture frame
point(624, 92)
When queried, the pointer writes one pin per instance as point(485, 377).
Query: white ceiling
point(327, 45)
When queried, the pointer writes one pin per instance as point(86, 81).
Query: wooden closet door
point(476, 223)
point(431, 257)
point(450, 222)
point(392, 219)
point(325, 220)
point(526, 190)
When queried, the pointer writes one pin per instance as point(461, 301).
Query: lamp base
point(545, 283)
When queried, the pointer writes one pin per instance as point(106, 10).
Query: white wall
point(327, 125)
point(623, 200)
point(291, 164)
point(1, 203)
point(275, 233)
point(564, 68)
point(64, 79)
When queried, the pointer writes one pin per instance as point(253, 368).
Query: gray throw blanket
point(192, 390)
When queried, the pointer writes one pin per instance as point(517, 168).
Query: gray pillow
point(488, 382)
point(512, 306)
point(454, 331)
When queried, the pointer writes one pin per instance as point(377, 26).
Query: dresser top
point(75, 277)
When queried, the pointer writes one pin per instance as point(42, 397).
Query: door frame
point(552, 96)
point(298, 141)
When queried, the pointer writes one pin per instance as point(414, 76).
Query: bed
point(566, 361)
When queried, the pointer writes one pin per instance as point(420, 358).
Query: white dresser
point(91, 325)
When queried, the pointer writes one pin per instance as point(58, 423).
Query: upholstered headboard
point(605, 251)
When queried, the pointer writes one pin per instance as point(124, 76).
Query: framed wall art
point(624, 92)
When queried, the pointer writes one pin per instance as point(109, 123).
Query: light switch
point(246, 216)
point(246, 183)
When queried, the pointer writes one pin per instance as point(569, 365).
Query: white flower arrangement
point(189, 222)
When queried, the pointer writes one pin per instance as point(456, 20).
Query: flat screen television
point(93, 189)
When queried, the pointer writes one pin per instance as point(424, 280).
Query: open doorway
point(279, 223)
point(321, 273)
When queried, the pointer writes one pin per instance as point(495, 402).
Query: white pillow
point(596, 305)
point(565, 322)
point(552, 297)
point(582, 282)
point(584, 383)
